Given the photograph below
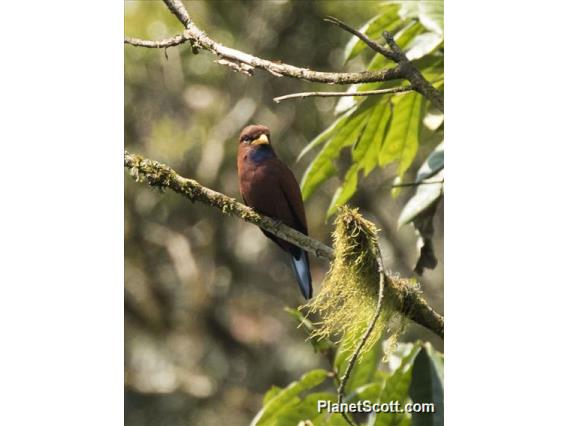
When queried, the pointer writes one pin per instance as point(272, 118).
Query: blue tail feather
point(301, 267)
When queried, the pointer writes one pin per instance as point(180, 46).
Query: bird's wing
point(291, 190)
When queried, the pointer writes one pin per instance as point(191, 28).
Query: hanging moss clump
point(348, 298)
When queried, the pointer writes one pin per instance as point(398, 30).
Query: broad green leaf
point(395, 190)
point(432, 165)
point(423, 44)
point(428, 193)
point(396, 389)
point(345, 190)
point(409, 9)
point(364, 155)
point(326, 134)
point(303, 409)
point(363, 370)
point(426, 387)
point(322, 167)
point(271, 393)
point(288, 395)
point(403, 38)
point(401, 142)
point(366, 151)
point(431, 15)
point(387, 20)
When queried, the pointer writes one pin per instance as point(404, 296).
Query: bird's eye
point(246, 138)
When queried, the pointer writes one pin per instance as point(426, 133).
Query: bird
point(267, 185)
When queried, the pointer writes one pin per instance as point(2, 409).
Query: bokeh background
point(206, 333)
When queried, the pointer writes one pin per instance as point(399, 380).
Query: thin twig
point(375, 46)
point(160, 44)
point(395, 53)
point(364, 338)
point(405, 184)
point(406, 300)
point(337, 94)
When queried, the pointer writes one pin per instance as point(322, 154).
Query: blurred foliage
point(206, 333)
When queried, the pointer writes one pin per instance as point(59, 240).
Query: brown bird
point(268, 186)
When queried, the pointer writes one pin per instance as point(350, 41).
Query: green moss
point(348, 299)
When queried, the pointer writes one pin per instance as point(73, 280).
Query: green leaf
point(363, 370)
point(288, 395)
point(401, 142)
point(365, 153)
point(396, 389)
point(403, 37)
point(387, 20)
point(345, 190)
point(303, 409)
point(270, 394)
point(423, 44)
point(326, 134)
point(426, 387)
point(322, 166)
point(431, 15)
point(427, 194)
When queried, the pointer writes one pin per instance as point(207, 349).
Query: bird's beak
point(261, 140)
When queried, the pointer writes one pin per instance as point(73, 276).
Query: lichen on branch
point(347, 301)
point(404, 297)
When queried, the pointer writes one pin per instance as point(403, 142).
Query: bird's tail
point(301, 267)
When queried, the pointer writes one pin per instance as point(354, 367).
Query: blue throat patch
point(262, 153)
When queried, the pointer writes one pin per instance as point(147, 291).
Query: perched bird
point(268, 186)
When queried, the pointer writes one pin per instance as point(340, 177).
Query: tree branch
point(160, 44)
point(162, 176)
point(336, 94)
point(409, 70)
point(407, 300)
point(246, 63)
point(407, 184)
point(375, 46)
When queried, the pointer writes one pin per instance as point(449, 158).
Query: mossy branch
point(406, 299)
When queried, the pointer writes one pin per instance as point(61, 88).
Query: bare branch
point(179, 10)
point(160, 44)
point(303, 95)
point(413, 74)
point(407, 300)
point(424, 182)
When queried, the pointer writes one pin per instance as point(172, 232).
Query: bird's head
point(254, 135)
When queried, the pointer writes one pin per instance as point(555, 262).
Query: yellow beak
point(261, 140)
